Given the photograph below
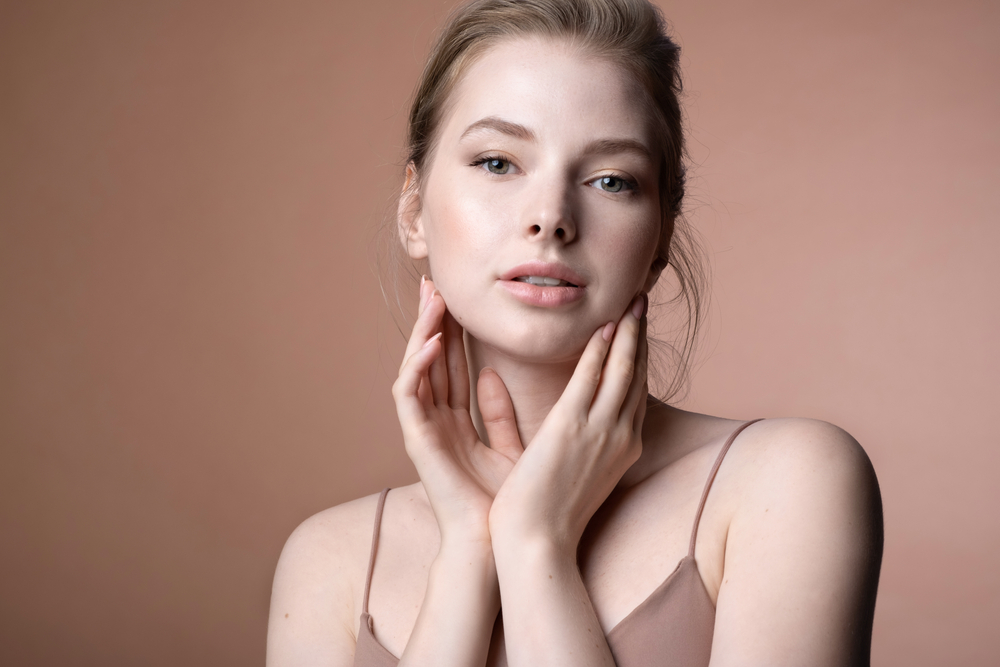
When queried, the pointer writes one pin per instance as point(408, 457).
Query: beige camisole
point(673, 626)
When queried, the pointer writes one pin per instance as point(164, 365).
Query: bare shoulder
point(315, 597)
point(805, 458)
point(803, 547)
point(814, 477)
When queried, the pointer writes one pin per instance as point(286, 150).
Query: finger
point(406, 389)
point(427, 324)
point(639, 388)
point(438, 372)
point(422, 295)
point(426, 289)
point(458, 365)
point(498, 415)
point(619, 371)
point(579, 393)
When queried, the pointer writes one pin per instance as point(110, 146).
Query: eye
point(612, 184)
point(494, 164)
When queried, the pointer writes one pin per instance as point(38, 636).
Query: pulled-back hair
point(629, 33)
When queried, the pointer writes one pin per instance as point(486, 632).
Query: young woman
point(542, 194)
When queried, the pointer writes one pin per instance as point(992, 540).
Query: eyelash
point(490, 158)
point(629, 185)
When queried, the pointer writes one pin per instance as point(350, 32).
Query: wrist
point(466, 566)
point(471, 556)
point(538, 551)
point(466, 543)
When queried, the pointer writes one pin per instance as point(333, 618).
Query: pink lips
point(539, 295)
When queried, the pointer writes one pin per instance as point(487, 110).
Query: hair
point(630, 33)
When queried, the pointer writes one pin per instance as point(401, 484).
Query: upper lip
point(544, 270)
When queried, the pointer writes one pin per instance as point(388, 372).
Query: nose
point(549, 215)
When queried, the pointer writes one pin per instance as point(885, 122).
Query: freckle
point(286, 615)
point(550, 576)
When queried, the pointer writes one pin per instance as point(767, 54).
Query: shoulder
point(318, 584)
point(804, 458)
point(808, 513)
point(802, 549)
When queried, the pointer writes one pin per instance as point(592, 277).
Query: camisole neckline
point(686, 567)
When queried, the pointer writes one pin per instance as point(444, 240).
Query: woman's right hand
point(460, 474)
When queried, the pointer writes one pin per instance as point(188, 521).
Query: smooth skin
point(553, 481)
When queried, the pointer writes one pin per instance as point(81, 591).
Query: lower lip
point(538, 295)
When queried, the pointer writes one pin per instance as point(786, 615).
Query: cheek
point(629, 256)
point(463, 232)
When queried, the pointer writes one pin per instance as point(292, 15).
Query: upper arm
point(803, 552)
point(312, 616)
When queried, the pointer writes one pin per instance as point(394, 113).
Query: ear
point(662, 258)
point(409, 216)
point(659, 263)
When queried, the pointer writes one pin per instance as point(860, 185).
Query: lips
point(543, 284)
point(544, 270)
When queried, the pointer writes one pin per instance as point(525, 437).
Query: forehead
point(554, 87)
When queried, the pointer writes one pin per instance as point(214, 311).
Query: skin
point(582, 503)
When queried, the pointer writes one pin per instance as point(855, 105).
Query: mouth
point(544, 281)
point(544, 274)
point(544, 284)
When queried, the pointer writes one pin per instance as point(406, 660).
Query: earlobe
point(409, 218)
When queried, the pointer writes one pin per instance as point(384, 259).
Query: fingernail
point(609, 329)
point(638, 307)
point(433, 338)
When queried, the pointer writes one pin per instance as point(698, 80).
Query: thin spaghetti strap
point(371, 559)
point(711, 478)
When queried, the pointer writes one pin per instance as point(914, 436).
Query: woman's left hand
point(590, 438)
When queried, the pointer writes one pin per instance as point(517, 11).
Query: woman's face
point(544, 170)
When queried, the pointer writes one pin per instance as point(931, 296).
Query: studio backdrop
point(195, 354)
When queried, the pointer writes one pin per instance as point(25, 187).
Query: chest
point(631, 546)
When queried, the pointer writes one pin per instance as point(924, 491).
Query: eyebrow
point(597, 147)
point(500, 125)
point(615, 146)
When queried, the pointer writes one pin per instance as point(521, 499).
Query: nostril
point(536, 229)
point(560, 232)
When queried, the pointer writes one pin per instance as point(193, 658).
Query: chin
point(534, 343)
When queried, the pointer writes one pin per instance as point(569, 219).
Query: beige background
point(194, 358)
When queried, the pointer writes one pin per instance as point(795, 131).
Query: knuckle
point(399, 388)
point(577, 427)
point(625, 368)
point(592, 375)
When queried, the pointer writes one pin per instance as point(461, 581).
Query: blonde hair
point(630, 33)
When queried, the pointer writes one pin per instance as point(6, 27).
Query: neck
point(533, 387)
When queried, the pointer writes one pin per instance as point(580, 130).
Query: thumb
point(498, 415)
